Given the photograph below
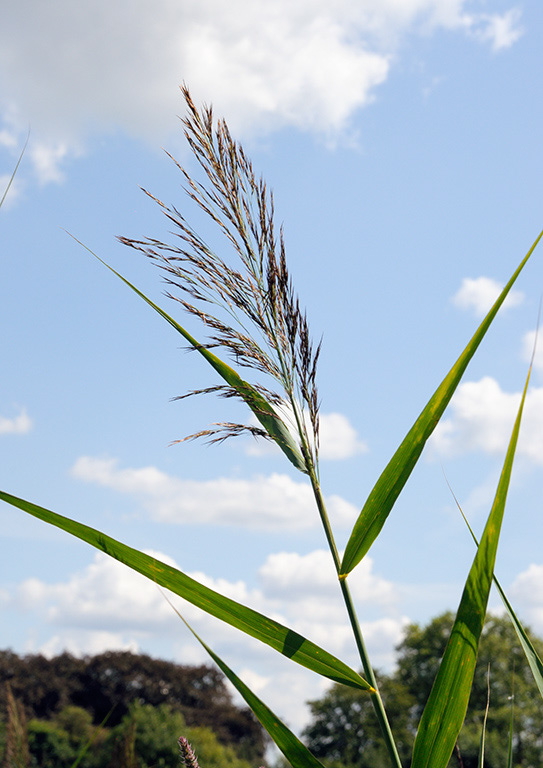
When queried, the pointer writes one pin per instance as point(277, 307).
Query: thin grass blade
point(534, 661)
point(10, 182)
point(296, 753)
point(481, 758)
point(511, 732)
point(268, 631)
point(446, 707)
point(391, 482)
point(85, 748)
point(262, 409)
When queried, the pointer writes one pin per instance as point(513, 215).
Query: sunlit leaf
point(446, 707)
point(268, 631)
point(296, 753)
point(391, 482)
point(534, 661)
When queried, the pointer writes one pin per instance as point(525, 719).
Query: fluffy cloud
point(338, 438)
point(501, 31)
point(479, 294)
point(260, 503)
point(106, 605)
point(482, 419)
point(265, 65)
point(17, 425)
point(526, 594)
point(289, 575)
point(528, 342)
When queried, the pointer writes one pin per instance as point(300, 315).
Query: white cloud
point(8, 139)
point(47, 158)
point(528, 342)
point(289, 575)
point(106, 605)
point(309, 64)
point(500, 30)
point(86, 643)
point(338, 438)
point(17, 425)
point(526, 594)
point(15, 189)
point(482, 419)
point(479, 294)
point(262, 502)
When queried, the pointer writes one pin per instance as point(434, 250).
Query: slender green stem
point(376, 699)
point(357, 631)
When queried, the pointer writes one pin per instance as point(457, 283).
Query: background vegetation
point(146, 703)
point(343, 733)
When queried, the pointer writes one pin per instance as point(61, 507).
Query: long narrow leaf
point(10, 182)
point(296, 753)
point(534, 661)
point(389, 485)
point(509, 763)
point(446, 707)
point(88, 744)
point(268, 631)
point(481, 759)
point(262, 409)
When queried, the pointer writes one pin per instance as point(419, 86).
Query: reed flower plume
point(188, 757)
point(246, 303)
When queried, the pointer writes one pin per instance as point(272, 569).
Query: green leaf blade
point(293, 749)
point(287, 642)
point(395, 475)
point(534, 661)
point(446, 707)
point(12, 177)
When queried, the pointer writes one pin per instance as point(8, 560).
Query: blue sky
point(403, 143)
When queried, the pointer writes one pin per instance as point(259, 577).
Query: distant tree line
point(343, 732)
point(60, 703)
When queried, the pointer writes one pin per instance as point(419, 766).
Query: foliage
point(147, 737)
point(342, 733)
point(501, 654)
point(253, 318)
point(154, 734)
point(109, 683)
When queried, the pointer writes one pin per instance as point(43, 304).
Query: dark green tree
point(501, 671)
point(343, 732)
point(111, 682)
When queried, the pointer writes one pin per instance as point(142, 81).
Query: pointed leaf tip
point(397, 472)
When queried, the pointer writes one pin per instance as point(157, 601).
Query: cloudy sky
point(403, 142)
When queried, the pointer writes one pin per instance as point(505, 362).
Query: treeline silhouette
point(112, 683)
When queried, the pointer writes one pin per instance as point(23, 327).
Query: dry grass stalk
point(16, 754)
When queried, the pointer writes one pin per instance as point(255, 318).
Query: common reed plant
point(257, 340)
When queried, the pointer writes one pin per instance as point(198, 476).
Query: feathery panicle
point(249, 309)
